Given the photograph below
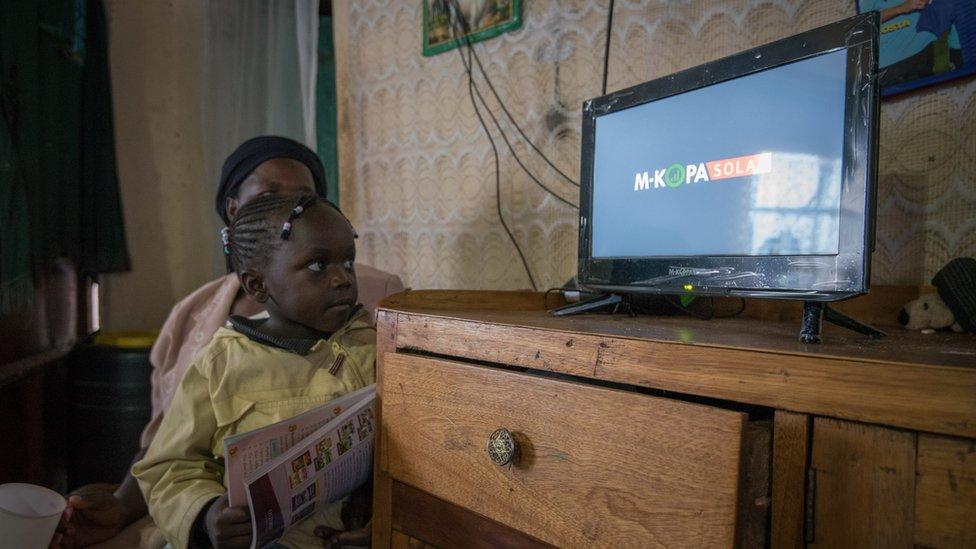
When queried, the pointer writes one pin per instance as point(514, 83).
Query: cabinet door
point(945, 492)
point(864, 485)
point(791, 454)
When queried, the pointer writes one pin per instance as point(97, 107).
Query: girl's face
point(309, 278)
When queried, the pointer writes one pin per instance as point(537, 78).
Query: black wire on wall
point(606, 47)
point(461, 30)
point(498, 190)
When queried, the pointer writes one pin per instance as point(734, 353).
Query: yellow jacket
point(235, 385)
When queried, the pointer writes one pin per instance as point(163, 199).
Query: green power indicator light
point(688, 287)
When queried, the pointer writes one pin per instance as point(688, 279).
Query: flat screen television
point(753, 175)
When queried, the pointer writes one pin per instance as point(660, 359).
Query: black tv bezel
point(808, 277)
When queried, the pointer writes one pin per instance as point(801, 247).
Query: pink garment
point(193, 321)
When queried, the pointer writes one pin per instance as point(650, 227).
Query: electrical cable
point(470, 71)
point(711, 309)
point(498, 188)
point(518, 128)
point(465, 28)
point(606, 47)
point(545, 296)
point(494, 148)
point(681, 308)
point(516, 156)
point(742, 308)
point(509, 144)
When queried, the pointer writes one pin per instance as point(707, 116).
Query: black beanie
point(252, 153)
point(956, 283)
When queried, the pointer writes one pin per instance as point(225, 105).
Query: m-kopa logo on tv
point(677, 175)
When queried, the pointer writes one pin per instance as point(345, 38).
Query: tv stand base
point(587, 305)
point(815, 312)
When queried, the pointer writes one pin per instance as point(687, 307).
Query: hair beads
point(257, 229)
point(295, 212)
point(225, 239)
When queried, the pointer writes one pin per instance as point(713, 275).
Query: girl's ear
point(253, 284)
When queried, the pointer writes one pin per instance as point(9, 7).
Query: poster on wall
point(485, 19)
point(924, 42)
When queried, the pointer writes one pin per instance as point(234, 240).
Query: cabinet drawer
point(597, 467)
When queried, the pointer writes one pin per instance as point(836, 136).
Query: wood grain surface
point(908, 380)
point(562, 352)
point(382, 483)
point(598, 467)
point(436, 522)
point(466, 300)
point(750, 334)
point(402, 541)
point(791, 447)
point(945, 492)
point(865, 485)
point(752, 524)
point(880, 306)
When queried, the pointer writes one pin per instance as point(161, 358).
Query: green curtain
point(15, 262)
point(19, 31)
point(101, 226)
point(60, 194)
point(325, 109)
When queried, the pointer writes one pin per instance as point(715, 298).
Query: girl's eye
point(321, 265)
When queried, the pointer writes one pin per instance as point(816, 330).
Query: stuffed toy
point(953, 307)
point(928, 312)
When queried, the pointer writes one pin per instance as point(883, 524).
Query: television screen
point(753, 175)
point(749, 166)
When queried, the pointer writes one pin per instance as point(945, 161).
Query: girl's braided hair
point(261, 225)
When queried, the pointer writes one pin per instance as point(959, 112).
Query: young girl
point(294, 255)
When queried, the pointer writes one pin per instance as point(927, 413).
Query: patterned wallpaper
point(418, 177)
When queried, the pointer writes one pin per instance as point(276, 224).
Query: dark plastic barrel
point(109, 392)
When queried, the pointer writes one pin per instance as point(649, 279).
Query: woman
point(259, 166)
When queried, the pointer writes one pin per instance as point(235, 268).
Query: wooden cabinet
point(654, 431)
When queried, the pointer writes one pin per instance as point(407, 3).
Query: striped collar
point(298, 345)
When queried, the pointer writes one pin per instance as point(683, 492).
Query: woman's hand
point(356, 515)
point(334, 539)
point(93, 514)
point(228, 527)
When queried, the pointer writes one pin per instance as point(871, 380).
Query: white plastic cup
point(29, 515)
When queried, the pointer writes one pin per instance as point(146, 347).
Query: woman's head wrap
point(257, 150)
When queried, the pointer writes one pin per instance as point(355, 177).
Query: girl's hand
point(228, 527)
